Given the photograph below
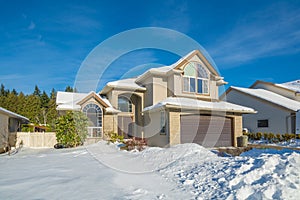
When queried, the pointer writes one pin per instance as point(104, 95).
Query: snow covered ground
point(186, 171)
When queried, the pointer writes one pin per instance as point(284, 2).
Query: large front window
point(94, 114)
point(124, 104)
point(195, 79)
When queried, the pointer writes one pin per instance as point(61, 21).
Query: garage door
point(206, 130)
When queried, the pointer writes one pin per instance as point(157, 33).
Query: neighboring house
point(167, 106)
point(10, 123)
point(277, 106)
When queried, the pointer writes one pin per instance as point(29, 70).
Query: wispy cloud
point(31, 26)
point(270, 32)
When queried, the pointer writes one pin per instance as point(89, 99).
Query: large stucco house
point(10, 123)
point(277, 106)
point(166, 106)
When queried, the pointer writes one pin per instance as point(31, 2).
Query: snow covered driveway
point(186, 171)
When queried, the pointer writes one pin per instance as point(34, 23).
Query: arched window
point(195, 79)
point(94, 114)
point(124, 104)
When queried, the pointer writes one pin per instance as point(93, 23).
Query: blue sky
point(45, 42)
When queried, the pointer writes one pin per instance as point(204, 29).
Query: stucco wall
point(3, 130)
point(277, 116)
point(152, 130)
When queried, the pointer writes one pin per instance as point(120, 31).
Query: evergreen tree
point(14, 92)
point(37, 91)
point(69, 89)
point(53, 94)
point(44, 100)
point(33, 109)
point(3, 92)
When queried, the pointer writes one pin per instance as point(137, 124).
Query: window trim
point(259, 125)
point(204, 92)
point(99, 114)
point(130, 110)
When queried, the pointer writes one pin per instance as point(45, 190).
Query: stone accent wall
point(174, 127)
point(237, 127)
point(110, 123)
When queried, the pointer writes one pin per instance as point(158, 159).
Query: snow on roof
point(127, 83)
point(12, 114)
point(188, 103)
point(69, 101)
point(292, 85)
point(271, 97)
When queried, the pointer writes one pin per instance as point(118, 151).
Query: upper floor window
point(195, 79)
point(124, 104)
point(94, 114)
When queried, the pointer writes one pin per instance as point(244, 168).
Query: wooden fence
point(36, 139)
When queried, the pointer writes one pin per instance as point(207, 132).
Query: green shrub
point(258, 136)
point(271, 137)
point(71, 129)
point(278, 137)
point(114, 137)
point(265, 136)
point(251, 136)
point(297, 136)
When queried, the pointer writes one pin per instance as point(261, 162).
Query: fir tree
point(37, 91)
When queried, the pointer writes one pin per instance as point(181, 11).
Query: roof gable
point(269, 97)
point(182, 62)
point(94, 96)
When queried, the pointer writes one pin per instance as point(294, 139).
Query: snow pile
point(257, 174)
point(186, 171)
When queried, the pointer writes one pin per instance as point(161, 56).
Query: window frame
point(263, 123)
point(130, 110)
point(204, 81)
point(99, 113)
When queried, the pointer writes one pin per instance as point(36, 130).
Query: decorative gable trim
point(185, 60)
point(94, 96)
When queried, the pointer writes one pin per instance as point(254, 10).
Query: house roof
point(187, 103)
point(12, 114)
point(128, 84)
point(271, 97)
point(71, 101)
point(292, 85)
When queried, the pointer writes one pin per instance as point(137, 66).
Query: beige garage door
point(206, 130)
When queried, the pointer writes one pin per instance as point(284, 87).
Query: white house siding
point(279, 120)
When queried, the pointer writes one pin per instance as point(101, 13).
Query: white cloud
point(273, 31)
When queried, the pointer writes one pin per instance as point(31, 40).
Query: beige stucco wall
point(3, 130)
point(277, 116)
point(152, 130)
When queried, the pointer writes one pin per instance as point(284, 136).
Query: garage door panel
point(206, 130)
